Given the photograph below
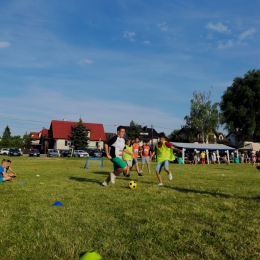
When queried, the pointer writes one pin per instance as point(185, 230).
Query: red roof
point(37, 135)
point(62, 130)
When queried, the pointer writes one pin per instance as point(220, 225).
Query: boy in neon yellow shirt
point(164, 155)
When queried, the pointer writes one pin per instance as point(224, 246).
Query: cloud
point(146, 42)
point(225, 44)
point(163, 26)
point(4, 44)
point(219, 27)
point(86, 61)
point(246, 34)
point(129, 35)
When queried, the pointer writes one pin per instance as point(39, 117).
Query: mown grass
point(205, 212)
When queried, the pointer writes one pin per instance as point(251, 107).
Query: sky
point(112, 62)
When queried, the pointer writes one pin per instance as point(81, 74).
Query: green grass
point(205, 212)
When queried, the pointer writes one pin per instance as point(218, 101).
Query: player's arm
point(127, 151)
point(106, 151)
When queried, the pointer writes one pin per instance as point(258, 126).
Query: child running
point(117, 147)
point(164, 155)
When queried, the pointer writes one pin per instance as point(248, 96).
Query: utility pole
point(152, 137)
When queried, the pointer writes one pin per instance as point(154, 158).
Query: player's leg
point(166, 168)
point(158, 169)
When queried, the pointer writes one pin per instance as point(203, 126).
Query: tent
point(251, 147)
point(204, 147)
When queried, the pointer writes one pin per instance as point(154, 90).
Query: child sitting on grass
point(3, 175)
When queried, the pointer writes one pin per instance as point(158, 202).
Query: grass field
point(205, 212)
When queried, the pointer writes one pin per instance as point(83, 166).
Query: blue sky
point(114, 61)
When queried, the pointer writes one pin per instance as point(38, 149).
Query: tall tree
point(134, 130)
point(204, 116)
point(240, 106)
point(80, 136)
point(27, 141)
point(6, 137)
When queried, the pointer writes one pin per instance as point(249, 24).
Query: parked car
point(14, 152)
point(90, 152)
point(97, 153)
point(4, 151)
point(34, 152)
point(80, 153)
point(53, 153)
point(65, 153)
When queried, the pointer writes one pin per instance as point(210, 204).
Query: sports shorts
point(164, 164)
point(129, 163)
point(118, 163)
point(145, 159)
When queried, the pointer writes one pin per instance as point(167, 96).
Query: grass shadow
point(80, 179)
point(215, 194)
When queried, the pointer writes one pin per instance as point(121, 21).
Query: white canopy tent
point(204, 147)
point(251, 147)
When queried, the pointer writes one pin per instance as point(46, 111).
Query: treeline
point(8, 140)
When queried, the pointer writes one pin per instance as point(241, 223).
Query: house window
point(66, 143)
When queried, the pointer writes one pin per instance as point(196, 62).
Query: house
point(212, 137)
point(36, 137)
point(146, 134)
point(233, 139)
point(59, 135)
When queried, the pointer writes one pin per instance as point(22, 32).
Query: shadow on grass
point(80, 179)
point(212, 193)
point(215, 194)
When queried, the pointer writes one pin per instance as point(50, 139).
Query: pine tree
point(6, 137)
point(80, 136)
point(134, 131)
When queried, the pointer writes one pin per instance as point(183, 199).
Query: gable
point(62, 130)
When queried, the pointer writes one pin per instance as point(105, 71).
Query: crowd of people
point(6, 172)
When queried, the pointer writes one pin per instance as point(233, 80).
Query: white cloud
point(163, 26)
point(146, 42)
point(246, 34)
point(86, 61)
point(225, 44)
point(129, 35)
point(4, 44)
point(219, 27)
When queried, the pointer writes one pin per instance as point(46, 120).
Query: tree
point(16, 141)
point(204, 116)
point(6, 137)
point(80, 136)
point(27, 143)
point(134, 130)
point(240, 106)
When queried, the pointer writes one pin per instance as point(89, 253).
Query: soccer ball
point(132, 184)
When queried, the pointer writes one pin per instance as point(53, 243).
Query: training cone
point(91, 255)
point(57, 204)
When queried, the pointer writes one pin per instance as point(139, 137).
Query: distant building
point(59, 135)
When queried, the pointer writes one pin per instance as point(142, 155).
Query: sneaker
point(160, 184)
point(149, 171)
point(112, 177)
point(127, 175)
point(105, 184)
point(170, 176)
point(140, 175)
